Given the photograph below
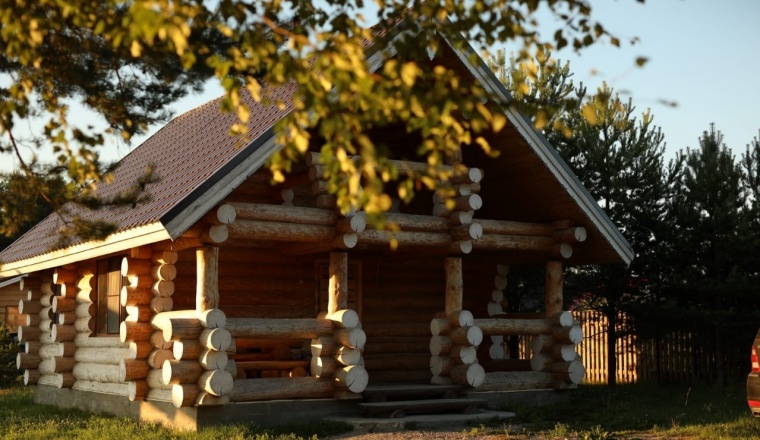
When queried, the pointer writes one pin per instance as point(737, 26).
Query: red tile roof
point(186, 153)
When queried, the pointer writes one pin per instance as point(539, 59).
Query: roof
point(198, 163)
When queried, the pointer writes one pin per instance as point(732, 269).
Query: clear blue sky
point(704, 55)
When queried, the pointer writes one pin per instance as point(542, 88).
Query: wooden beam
point(554, 284)
point(207, 275)
point(454, 285)
point(338, 285)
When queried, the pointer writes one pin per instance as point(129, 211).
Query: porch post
point(454, 285)
point(338, 287)
point(207, 274)
point(554, 282)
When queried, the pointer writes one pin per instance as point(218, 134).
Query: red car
point(753, 380)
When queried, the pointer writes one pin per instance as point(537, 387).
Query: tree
point(24, 202)
point(711, 234)
point(133, 58)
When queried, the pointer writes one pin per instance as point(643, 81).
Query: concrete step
point(403, 407)
point(383, 393)
point(423, 421)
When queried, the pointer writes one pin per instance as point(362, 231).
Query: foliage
point(8, 349)
point(24, 202)
point(23, 419)
point(135, 58)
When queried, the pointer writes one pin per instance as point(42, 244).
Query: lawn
point(593, 413)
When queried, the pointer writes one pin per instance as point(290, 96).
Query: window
point(110, 311)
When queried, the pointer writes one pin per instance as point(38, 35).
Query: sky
point(703, 56)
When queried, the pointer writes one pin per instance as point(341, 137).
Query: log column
point(554, 283)
point(338, 286)
point(453, 346)
point(207, 273)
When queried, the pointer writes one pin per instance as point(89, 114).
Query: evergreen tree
point(711, 235)
point(619, 158)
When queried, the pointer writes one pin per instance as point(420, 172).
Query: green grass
point(21, 418)
point(674, 411)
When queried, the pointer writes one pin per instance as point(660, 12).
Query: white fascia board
point(548, 155)
point(115, 242)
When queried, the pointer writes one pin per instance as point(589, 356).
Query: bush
point(9, 347)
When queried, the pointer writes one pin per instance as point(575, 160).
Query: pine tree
point(711, 235)
point(619, 158)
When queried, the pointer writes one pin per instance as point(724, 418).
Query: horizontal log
point(159, 395)
point(63, 304)
point(26, 306)
point(138, 313)
point(409, 239)
point(155, 380)
point(84, 325)
point(86, 310)
point(269, 311)
point(157, 341)
point(285, 214)
point(279, 328)
point(119, 389)
point(98, 341)
point(281, 231)
point(135, 331)
point(165, 257)
point(524, 243)
point(132, 369)
point(64, 380)
point(139, 350)
point(31, 377)
point(218, 339)
point(503, 227)
point(62, 333)
point(161, 304)
point(224, 214)
point(32, 347)
point(354, 378)
point(351, 338)
point(63, 364)
point(184, 394)
point(157, 357)
point(138, 389)
point(213, 360)
point(568, 335)
point(190, 349)
point(101, 355)
point(323, 366)
point(165, 272)
point(186, 372)
point(248, 390)
point(517, 380)
point(131, 296)
point(272, 365)
point(208, 399)
point(163, 288)
point(469, 374)
point(27, 361)
point(96, 372)
point(401, 330)
point(467, 335)
point(499, 326)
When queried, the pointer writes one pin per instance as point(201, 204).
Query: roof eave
point(116, 242)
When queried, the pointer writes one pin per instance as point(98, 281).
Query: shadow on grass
point(696, 411)
point(21, 418)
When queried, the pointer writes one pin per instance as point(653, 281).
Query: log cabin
point(225, 297)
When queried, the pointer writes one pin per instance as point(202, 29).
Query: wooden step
point(382, 393)
point(401, 408)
